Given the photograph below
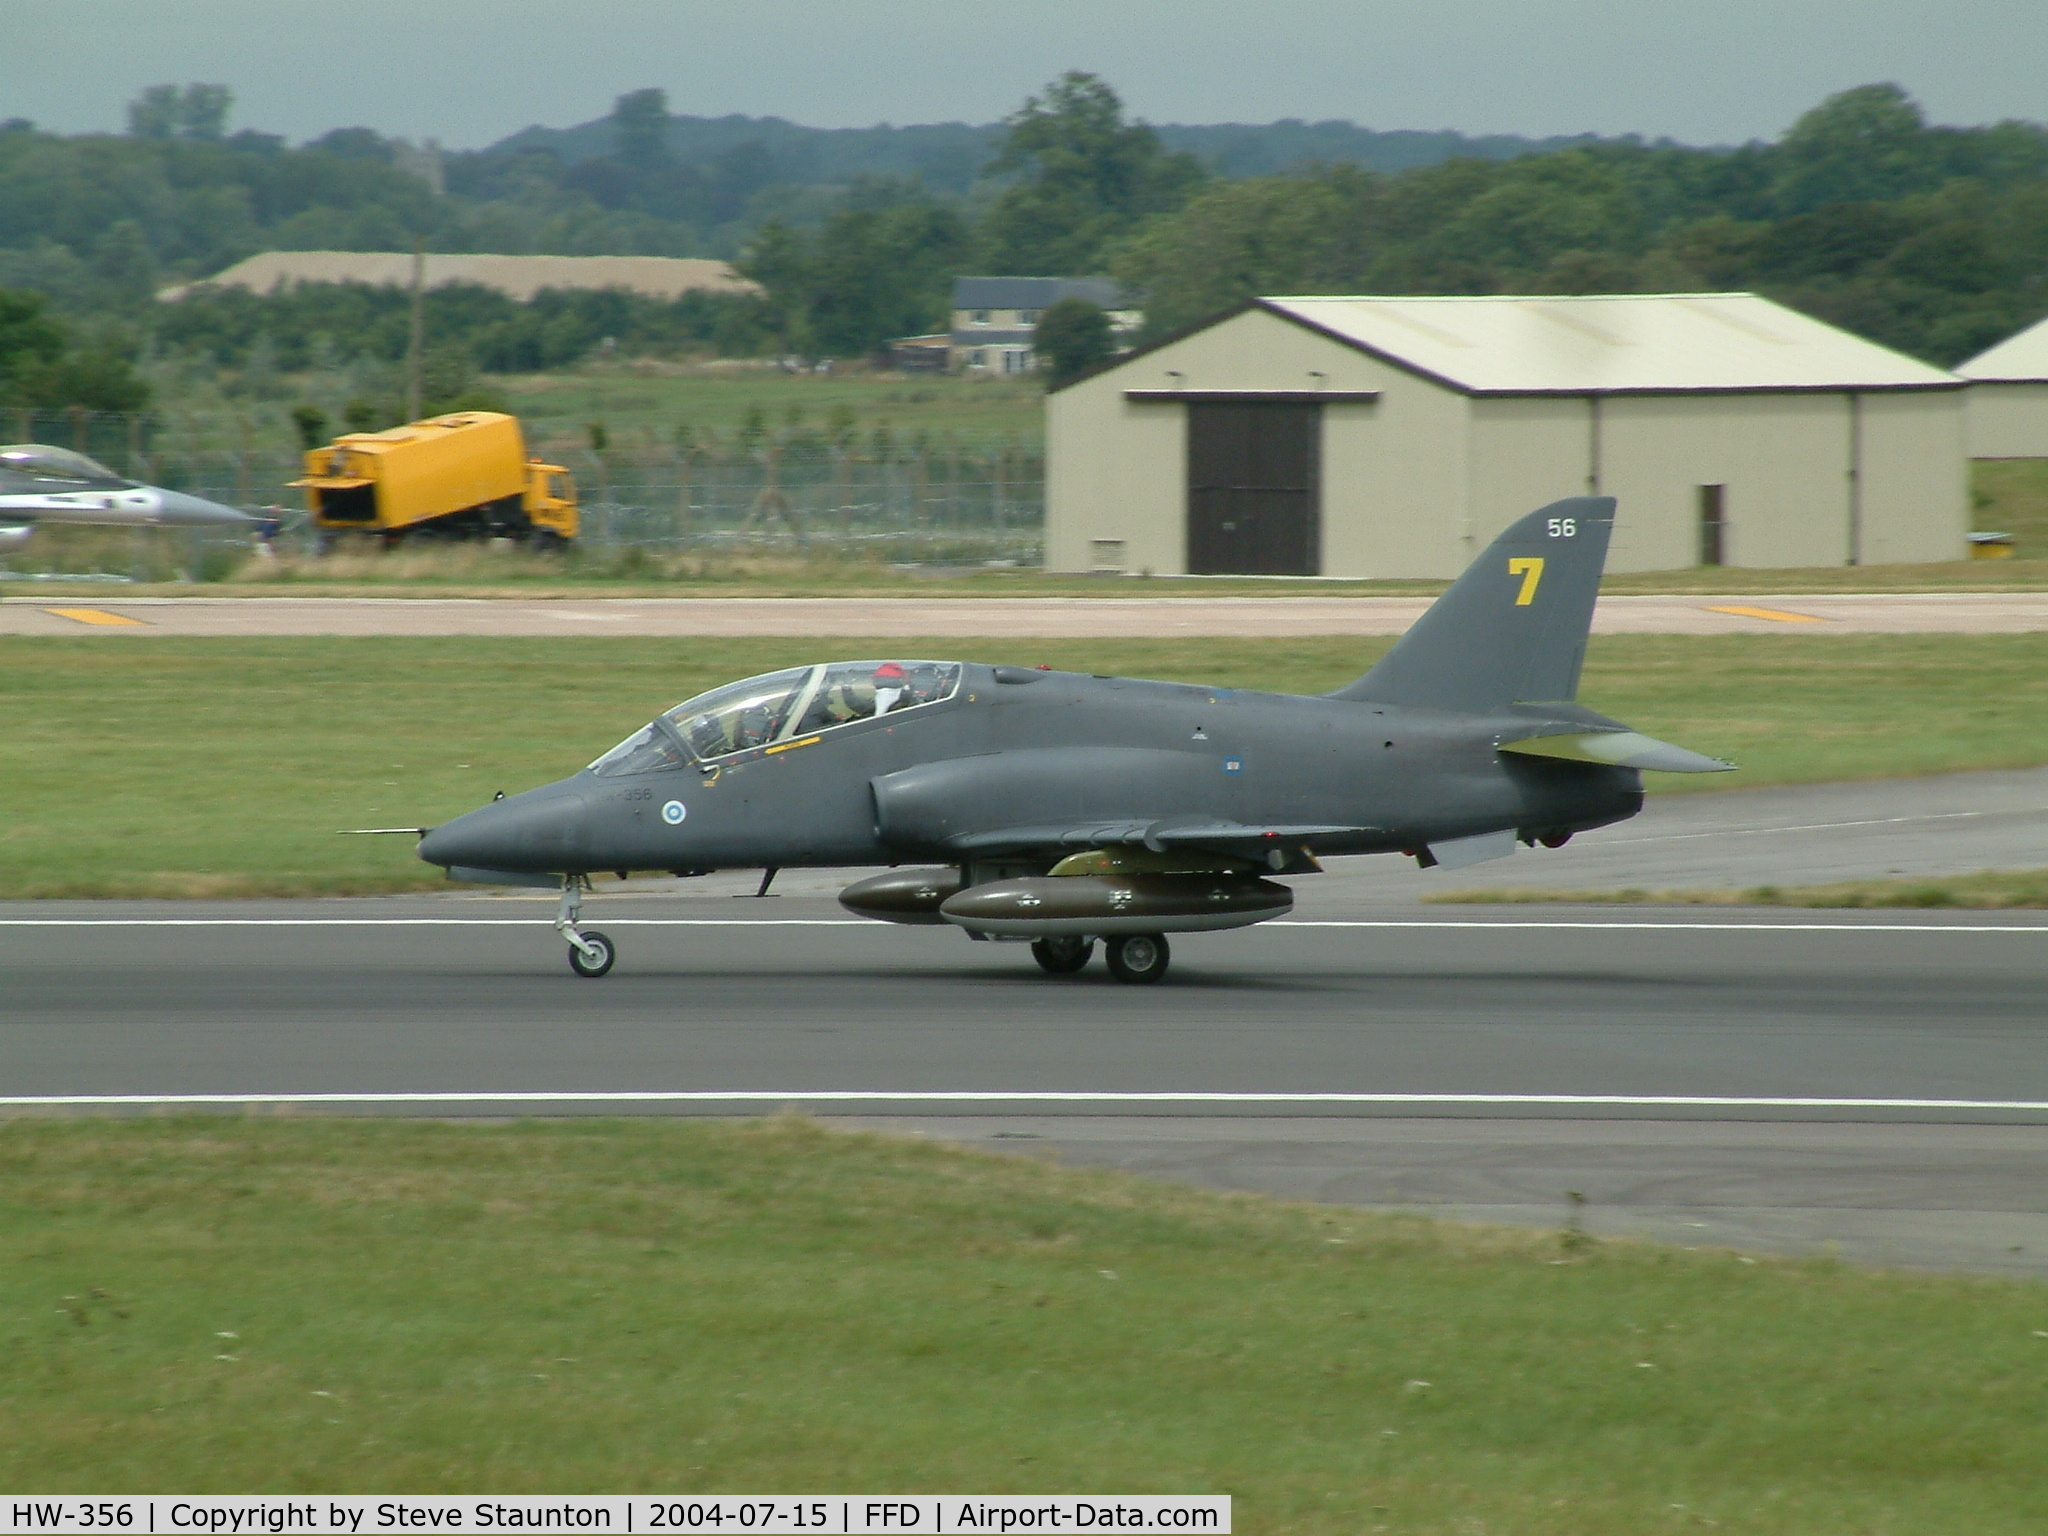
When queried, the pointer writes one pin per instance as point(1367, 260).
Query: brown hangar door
point(1253, 503)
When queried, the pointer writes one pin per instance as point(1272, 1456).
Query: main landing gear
point(1063, 955)
point(590, 953)
point(1138, 959)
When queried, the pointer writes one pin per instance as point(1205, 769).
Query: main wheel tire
point(583, 965)
point(1062, 955)
point(1137, 958)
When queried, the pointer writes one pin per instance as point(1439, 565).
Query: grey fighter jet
point(1064, 809)
point(41, 484)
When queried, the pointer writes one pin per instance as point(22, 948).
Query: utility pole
point(416, 343)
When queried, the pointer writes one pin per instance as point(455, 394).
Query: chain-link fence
point(950, 501)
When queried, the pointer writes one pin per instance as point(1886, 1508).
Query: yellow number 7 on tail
point(1530, 569)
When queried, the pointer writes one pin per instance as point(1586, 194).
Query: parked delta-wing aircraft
point(1063, 808)
point(41, 484)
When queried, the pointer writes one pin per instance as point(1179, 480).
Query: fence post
point(952, 481)
point(241, 459)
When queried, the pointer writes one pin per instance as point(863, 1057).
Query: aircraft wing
point(1228, 836)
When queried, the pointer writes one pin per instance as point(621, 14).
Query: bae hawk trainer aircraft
point(1066, 809)
point(41, 484)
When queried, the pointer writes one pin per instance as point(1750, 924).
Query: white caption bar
point(618, 1514)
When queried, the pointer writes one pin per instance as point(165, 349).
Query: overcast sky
point(471, 71)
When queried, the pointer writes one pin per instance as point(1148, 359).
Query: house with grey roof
point(996, 318)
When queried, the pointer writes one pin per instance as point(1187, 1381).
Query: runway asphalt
point(1872, 1080)
point(995, 618)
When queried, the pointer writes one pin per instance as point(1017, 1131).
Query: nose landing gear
point(590, 953)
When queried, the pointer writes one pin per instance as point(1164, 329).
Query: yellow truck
point(460, 476)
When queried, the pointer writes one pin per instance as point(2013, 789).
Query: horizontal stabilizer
point(384, 831)
point(1620, 749)
point(1463, 852)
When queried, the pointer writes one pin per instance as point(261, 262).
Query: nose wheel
point(596, 955)
point(1138, 959)
point(590, 953)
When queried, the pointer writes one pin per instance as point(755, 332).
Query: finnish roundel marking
point(673, 813)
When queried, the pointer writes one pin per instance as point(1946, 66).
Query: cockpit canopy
point(47, 463)
point(780, 706)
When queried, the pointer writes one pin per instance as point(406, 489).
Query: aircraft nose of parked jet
point(537, 831)
point(175, 509)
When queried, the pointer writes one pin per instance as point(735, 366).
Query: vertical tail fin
point(1513, 628)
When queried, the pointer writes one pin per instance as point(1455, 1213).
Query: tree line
point(1926, 238)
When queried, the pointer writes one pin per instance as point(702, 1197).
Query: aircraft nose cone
point(539, 833)
point(177, 510)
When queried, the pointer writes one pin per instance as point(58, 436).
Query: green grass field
point(156, 766)
point(303, 1305)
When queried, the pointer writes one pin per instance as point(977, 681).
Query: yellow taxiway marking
point(92, 616)
point(1776, 615)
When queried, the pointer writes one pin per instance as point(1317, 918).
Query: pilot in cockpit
point(891, 682)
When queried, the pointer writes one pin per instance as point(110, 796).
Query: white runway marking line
point(1813, 826)
point(975, 1096)
point(857, 922)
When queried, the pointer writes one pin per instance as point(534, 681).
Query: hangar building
point(1379, 437)
point(2008, 400)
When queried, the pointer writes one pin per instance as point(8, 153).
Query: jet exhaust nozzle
point(1050, 906)
point(178, 510)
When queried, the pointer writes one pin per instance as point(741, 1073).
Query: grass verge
point(139, 765)
point(301, 1306)
point(1988, 890)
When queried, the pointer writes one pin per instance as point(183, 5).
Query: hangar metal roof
point(2021, 359)
point(519, 277)
point(1665, 343)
